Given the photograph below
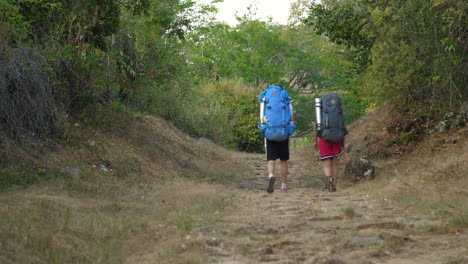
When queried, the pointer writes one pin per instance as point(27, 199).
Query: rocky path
point(308, 225)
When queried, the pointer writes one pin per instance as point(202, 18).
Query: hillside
point(138, 190)
point(99, 195)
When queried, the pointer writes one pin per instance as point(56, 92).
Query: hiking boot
point(284, 190)
point(271, 185)
point(330, 186)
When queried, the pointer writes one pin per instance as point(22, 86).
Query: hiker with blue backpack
point(330, 132)
point(276, 125)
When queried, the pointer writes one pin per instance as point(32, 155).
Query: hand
point(316, 146)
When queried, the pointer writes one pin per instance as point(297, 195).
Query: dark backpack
point(276, 122)
point(332, 127)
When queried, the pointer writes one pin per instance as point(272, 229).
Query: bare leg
point(328, 170)
point(327, 167)
point(271, 179)
point(334, 170)
point(271, 167)
point(284, 171)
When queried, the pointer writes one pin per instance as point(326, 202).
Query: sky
point(276, 9)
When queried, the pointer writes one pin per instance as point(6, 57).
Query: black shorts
point(277, 150)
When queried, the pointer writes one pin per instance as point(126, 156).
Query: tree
point(252, 51)
point(411, 52)
point(344, 22)
point(299, 11)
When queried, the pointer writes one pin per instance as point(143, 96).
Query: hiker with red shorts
point(329, 137)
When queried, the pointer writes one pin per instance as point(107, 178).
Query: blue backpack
point(275, 122)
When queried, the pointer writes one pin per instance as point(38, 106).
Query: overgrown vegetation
point(412, 53)
point(26, 104)
point(76, 60)
point(164, 58)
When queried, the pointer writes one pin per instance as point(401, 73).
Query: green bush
point(224, 111)
point(353, 106)
point(231, 109)
point(17, 169)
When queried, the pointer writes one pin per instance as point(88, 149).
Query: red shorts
point(329, 149)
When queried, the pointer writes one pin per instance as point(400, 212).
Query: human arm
point(315, 136)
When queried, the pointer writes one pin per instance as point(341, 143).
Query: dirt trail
point(308, 225)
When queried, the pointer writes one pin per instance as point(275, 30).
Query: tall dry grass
point(154, 193)
point(432, 181)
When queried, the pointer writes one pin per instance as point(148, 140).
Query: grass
point(145, 206)
point(47, 231)
point(17, 168)
point(395, 244)
point(458, 260)
point(349, 212)
point(452, 224)
point(154, 198)
point(407, 197)
point(440, 201)
point(459, 221)
point(301, 142)
point(95, 230)
point(184, 222)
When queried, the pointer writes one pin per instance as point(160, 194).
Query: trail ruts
point(308, 225)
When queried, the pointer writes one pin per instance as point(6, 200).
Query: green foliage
point(153, 72)
point(231, 114)
point(136, 7)
point(408, 137)
point(252, 51)
point(161, 20)
point(305, 59)
point(304, 114)
point(170, 101)
point(74, 22)
point(86, 66)
point(224, 111)
point(82, 82)
point(411, 51)
point(265, 54)
point(416, 48)
point(353, 106)
point(344, 22)
point(246, 134)
point(18, 165)
point(170, 58)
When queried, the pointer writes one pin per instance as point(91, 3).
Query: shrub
point(232, 110)
point(26, 105)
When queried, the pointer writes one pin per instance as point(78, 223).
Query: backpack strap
point(262, 96)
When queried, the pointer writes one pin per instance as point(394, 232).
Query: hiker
point(329, 136)
point(276, 125)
